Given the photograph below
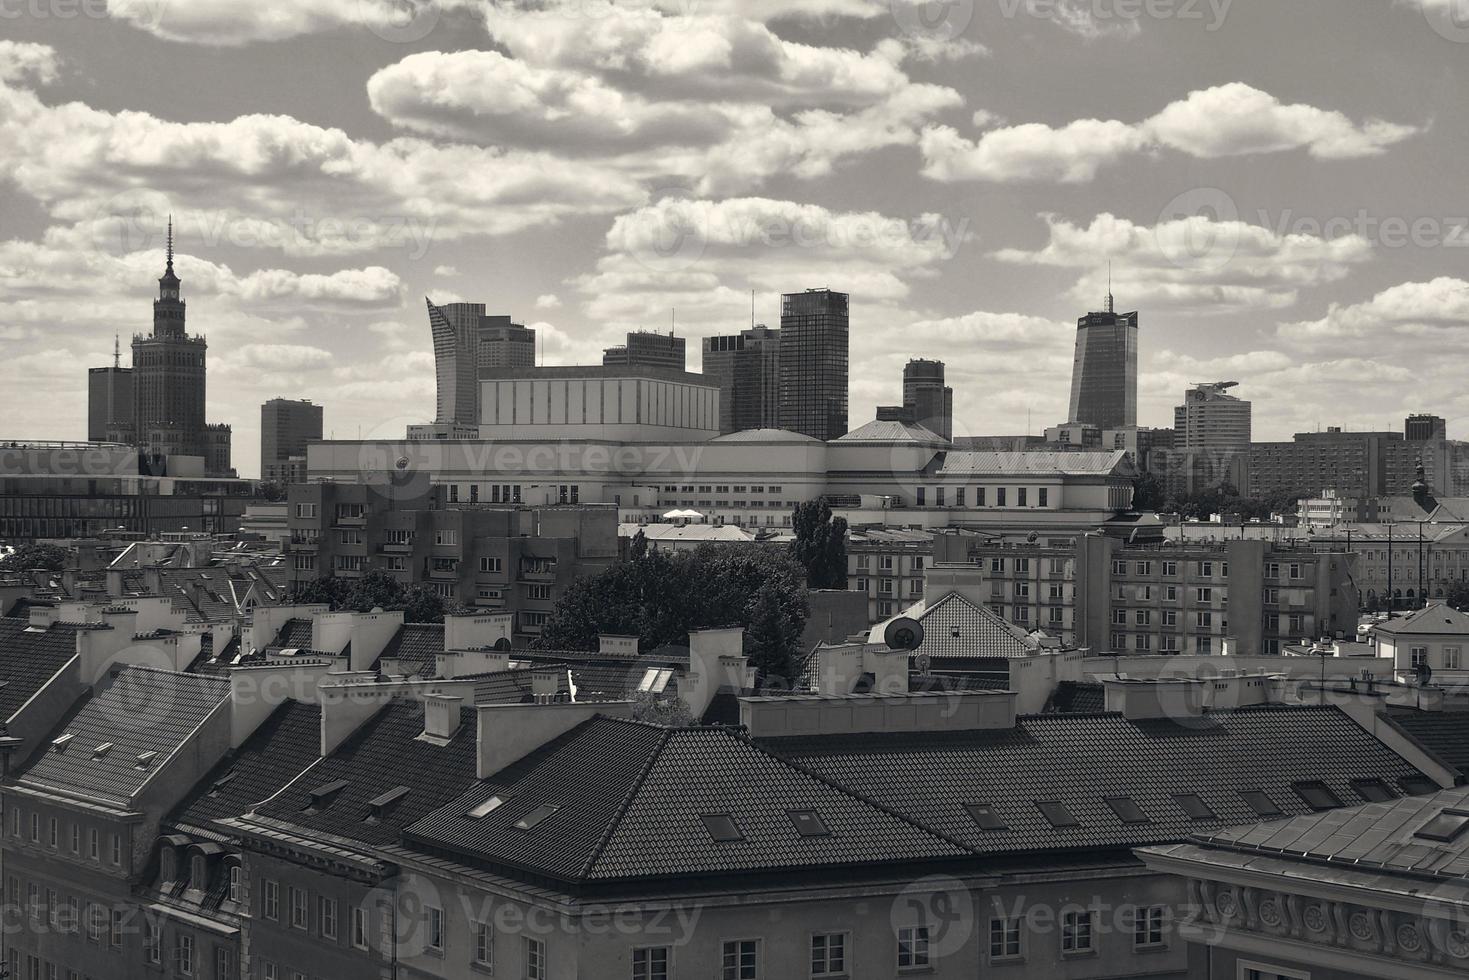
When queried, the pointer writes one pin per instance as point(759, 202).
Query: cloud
point(22, 61)
point(548, 301)
point(274, 182)
point(1224, 121)
point(1427, 315)
point(229, 23)
point(447, 271)
point(1193, 263)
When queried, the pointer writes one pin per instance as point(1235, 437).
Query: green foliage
point(421, 604)
point(638, 549)
point(272, 490)
point(1147, 493)
point(1457, 595)
point(662, 596)
point(332, 591)
point(820, 545)
point(375, 590)
point(1225, 500)
point(49, 557)
point(659, 709)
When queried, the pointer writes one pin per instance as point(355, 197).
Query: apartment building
point(887, 566)
point(1245, 598)
point(498, 557)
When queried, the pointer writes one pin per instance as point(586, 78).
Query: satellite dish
point(1425, 674)
point(922, 663)
point(1032, 537)
point(503, 643)
point(903, 633)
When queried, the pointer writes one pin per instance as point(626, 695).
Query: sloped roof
point(1438, 618)
point(1375, 837)
point(417, 646)
point(766, 435)
point(29, 658)
point(1078, 697)
point(283, 747)
point(1444, 733)
point(1081, 760)
point(1113, 463)
point(630, 800)
point(136, 709)
point(382, 755)
point(880, 432)
point(295, 634)
point(953, 626)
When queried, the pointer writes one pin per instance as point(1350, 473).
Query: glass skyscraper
point(1104, 377)
point(814, 337)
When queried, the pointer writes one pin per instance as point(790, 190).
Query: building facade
point(647, 349)
point(1246, 598)
point(927, 397)
point(815, 331)
point(455, 329)
point(505, 344)
point(746, 366)
point(1104, 373)
point(286, 426)
point(634, 402)
point(1211, 419)
point(109, 401)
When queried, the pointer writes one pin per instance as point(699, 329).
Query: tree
point(1457, 595)
point(48, 557)
point(375, 590)
point(638, 549)
point(1147, 493)
point(331, 591)
point(421, 604)
point(773, 633)
point(660, 709)
point(272, 490)
point(820, 545)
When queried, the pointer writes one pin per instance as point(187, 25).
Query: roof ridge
point(847, 790)
point(632, 791)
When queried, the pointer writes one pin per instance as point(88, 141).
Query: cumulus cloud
point(1433, 313)
point(272, 181)
point(1195, 262)
point(1224, 121)
point(548, 301)
point(230, 23)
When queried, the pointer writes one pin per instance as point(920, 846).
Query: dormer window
point(169, 863)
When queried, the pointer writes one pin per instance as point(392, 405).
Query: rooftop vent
point(322, 795)
point(100, 752)
point(60, 742)
point(145, 759)
point(378, 806)
point(221, 783)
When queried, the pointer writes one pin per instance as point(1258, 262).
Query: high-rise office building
point(286, 426)
point(645, 349)
point(505, 344)
point(746, 366)
point(925, 394)
point(168, 376)
point(109, 398)
point(1104, 376)
point(814, 339)
point(1422, 428)
point(1210, 419)
point(455, 328)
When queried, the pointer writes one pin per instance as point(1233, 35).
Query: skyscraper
point(168, 376)
point(1423, 428)
point(814, 338)
point(109, 398)
point(286, 426)
point(1104, 377)
point(1210, 419)
point(505, 344)
point(645, 349)
point(456, 330)
point(925, 395)
point(746, 366)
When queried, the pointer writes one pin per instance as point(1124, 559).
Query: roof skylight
point(1058, 814)
point(985, 817)
point(540, 813)
point(487, 807)
point(721, 827)
point(808, 823)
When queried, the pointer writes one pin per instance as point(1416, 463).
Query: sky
point(1277, 187)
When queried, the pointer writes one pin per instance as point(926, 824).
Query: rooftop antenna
point(170, 241)
point(116, 352)
point(752, 309)
point(1111, 305)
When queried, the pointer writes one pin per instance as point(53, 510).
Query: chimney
point(371, 632)
point(716, 660)
point(461, 663)
point(42, 616)
point(476, 632)
point(441, 717)
point(346, 708)
point(611, 645)
point(545, 684)
point(1177, 698)
point(256, 690)
point(508, 732)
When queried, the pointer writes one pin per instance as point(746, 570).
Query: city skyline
point(969, 224)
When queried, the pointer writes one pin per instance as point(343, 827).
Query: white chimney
point(508, 732)
point(611, 645)
point(475, 632)
point(441, 716)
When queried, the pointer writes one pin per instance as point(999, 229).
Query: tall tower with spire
point(1104, 374)
point(168, 375)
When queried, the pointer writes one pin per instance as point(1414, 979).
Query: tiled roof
point(1376, 837)
point(417, 646)
point(1438, 618)
point(1112, 463)
point(517, 686)
point(1081, 760)
point(294, 635)
point(1444, 733)
point(1077, 697)
point(283, 747)
point(630, 800)
point(953, 627)
point(30, 658)
point(381, 756)
point(136, 710)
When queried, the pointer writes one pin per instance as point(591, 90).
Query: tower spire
point(1111, 304)
point(170, 243)
point(116, 352)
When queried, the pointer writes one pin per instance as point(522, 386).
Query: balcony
point(350, 520)
point(538, 573)
point(443, 574)
point(308, 546)
point(397, 547)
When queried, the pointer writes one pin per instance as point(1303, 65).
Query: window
point(1260, 971)
point(326, 913)
point(224, 961)
point(435, 921)
point(1058, 815)
point(535, 960)
point(493, 565)
point(1260, 802)
point(1193, 804)
point(1317, 795)
point(1076, 931)
point(1000, 497)
point(183, 954)
point(1119, 566)
point(307, 511)
point(1373, 790)
point(1004, 939)
point(35, 827)
point(1206, 569)
point(1445, 827)
point(721, 827)
point(484, 946)
point(298, 907)
point(1021, 497)
point(1451, 658)
point(54, 836)
point(152, 942)
point(912, 947)
point(829, 954)
point(1147, 927)
point(808, 823)
point(114, 936)
point(1170, 568)
point(444, 537)
point(740, 960)
point(235, 883)
point(985, 817)
point(270, 900)
point(1419, 656)
point(117, 849)
point(1206, 595)
point(359, 927)
point(1044, 497)
point(1127, 810)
